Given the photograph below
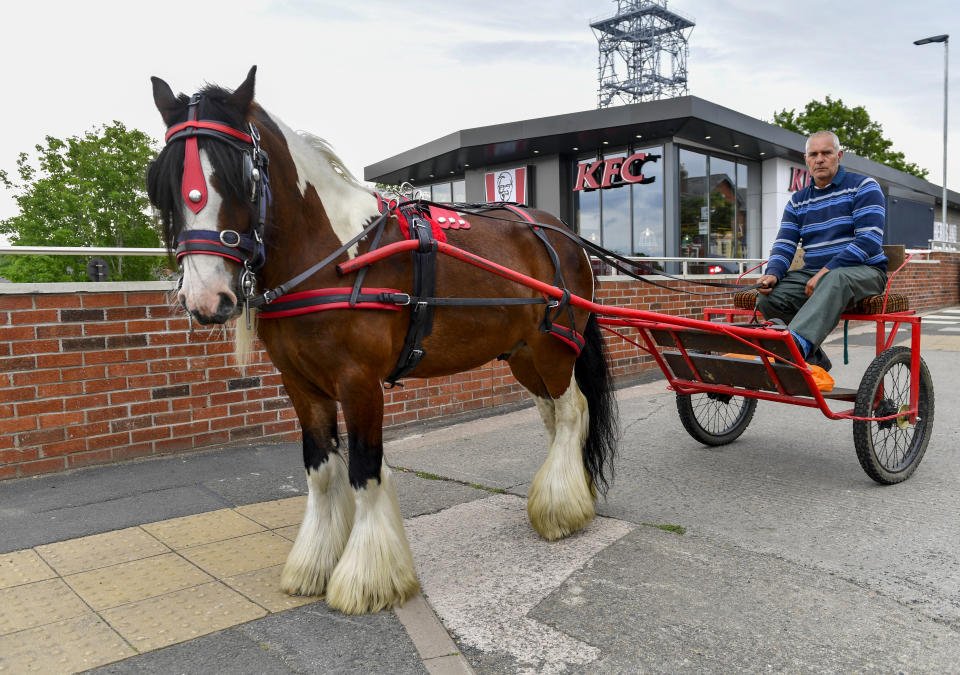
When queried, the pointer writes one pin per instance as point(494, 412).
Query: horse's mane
point(324, 149)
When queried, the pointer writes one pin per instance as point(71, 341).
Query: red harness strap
point(321, 299)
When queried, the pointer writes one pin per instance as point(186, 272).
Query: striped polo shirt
point(840, 225)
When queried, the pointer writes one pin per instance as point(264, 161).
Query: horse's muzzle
point(227, 309)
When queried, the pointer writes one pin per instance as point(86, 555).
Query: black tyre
point(890, 451)
point(715, 419)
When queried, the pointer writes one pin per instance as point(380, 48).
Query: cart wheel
point(715, 419)
point(890, 451)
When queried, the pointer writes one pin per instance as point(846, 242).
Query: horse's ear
point(242, 96)
point(168, 104)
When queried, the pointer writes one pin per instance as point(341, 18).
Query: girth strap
point(421, 310)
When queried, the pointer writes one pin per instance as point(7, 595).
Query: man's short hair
point(825, 132)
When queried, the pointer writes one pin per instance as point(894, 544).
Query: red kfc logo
point(616, 171)
point(799, 178)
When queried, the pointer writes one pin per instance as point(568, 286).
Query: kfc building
point(680, 177)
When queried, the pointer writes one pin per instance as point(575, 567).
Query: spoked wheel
point(890, 451)
point(715, 419)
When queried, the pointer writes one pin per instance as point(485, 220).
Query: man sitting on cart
point(839, 220)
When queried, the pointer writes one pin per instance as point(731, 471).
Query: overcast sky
point(376, 77)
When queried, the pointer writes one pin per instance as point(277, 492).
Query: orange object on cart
point(820, 376)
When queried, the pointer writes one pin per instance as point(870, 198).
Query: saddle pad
point(440, 219)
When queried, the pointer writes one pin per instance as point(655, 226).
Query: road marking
point(941, 316)
point(483, 569)
point(935, 321)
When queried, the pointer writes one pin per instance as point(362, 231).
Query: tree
point(83, 191)
point(853, 126)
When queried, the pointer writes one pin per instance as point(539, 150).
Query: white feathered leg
point(324, 531)
point(376, 569)
point(560, 500)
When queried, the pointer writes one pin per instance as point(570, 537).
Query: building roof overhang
point(686, 118)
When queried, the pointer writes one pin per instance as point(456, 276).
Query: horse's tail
point(593, 379)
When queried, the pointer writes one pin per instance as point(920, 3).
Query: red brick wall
point(99, 376)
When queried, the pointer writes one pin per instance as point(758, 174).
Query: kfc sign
point(799, 178)
point(507, 185)
point(613, 172)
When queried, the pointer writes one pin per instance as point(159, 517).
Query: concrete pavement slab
point(661, 603)
point(482, 568)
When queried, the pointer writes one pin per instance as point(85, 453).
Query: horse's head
point(210, 187)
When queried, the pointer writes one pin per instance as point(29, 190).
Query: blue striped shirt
point(840, 225)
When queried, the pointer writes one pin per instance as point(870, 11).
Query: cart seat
point(896, 302)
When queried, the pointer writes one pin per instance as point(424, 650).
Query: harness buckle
point(420, 306)
point(404, 301)
point(230, 238)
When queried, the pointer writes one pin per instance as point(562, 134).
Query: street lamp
point(945, 39)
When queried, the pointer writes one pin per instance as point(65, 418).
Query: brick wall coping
point(86, 287)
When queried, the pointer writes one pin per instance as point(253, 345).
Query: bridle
point(246, 250)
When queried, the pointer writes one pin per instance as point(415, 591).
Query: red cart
point(719, 370)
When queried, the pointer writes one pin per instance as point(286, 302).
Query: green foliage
point(83, 191)
point(853, 126)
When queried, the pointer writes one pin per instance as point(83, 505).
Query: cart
point(720, 369)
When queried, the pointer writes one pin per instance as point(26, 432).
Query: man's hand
point(812, 283)
point(767, 282)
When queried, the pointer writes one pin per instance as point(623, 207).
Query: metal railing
point(80, 250)
point(739, 265)
point(742, 264)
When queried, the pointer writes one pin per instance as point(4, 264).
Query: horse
point(244, 202)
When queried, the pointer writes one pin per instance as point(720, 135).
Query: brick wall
point(95, 373)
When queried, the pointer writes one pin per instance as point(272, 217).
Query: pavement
point(773, 553)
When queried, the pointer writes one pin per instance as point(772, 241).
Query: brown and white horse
point(209, 185)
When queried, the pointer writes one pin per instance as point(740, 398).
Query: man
point(839, 221)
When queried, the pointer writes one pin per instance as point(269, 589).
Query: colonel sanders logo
point(507, 185)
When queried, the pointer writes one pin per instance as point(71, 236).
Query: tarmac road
point(790, 558)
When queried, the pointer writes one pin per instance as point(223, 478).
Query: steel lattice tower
point(643, 52)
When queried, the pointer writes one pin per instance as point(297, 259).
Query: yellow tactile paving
point(23, 567)
point(236, 556)
point(39, 603)
point(277, 513)
point(288, 532)
point(263, 587)
point(64, 647)
point(129, 582)
point(100, 550)
point(182, 615)
point(202, 528)
point(81, 603)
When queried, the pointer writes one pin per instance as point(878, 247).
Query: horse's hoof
point(296, 580)
point(353, 593)
point(559, 508)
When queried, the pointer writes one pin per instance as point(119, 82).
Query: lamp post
point(945, 39)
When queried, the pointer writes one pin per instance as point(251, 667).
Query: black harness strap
point(568, 335)
point(421, 310)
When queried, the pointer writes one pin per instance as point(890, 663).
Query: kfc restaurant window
point(453, 191)
point(713, 195)
point(619, 200)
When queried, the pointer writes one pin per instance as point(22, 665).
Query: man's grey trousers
point(813, 318)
